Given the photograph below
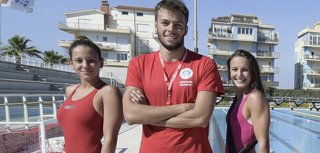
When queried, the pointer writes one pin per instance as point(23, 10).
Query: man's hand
point(138, 97)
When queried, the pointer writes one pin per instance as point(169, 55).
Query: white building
point(121, 32)
point(237, 31)
point(307, 56)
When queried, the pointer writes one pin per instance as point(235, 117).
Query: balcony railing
point(268, 54)
point(221, 35)
point(243, 21)
point(311, 71)
point(270, 69)
point(273, 83)
point(312, 43)
point(315, 57)
point(268, 39)
point(211, 51)
point(222, 67)
point(311, 85)
point(155, 35)
point(102, 45)
point(76, 25)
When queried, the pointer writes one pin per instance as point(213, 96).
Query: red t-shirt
point(198, 73)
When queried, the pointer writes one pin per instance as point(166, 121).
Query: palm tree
point(18, 47)
point(54, 57)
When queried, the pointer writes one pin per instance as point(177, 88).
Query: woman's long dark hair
point(256, 82)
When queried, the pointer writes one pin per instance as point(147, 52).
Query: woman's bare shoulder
point(70, 89)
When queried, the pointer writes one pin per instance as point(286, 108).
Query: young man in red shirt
point(172, 92)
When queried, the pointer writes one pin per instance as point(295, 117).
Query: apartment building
point(307, 55)
point(121, 32)
point(237, 31)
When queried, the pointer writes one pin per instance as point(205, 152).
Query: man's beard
point(173, 46)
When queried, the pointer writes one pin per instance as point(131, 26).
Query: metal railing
point(28, 102)
point(268, 39)
point(311, 85)
point(98, 43)
point(222, 66)
point(76, 25)
point(60, 67)
point(270, 69)
point(216, 52)
point(311, 71)
point(315, 57)
point(268, 54)
point(221, 35)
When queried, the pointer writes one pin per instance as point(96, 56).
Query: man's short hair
point(173, 6)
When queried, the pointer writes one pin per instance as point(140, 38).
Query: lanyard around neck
point(166, 80)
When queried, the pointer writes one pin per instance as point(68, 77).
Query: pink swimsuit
point(242, 131)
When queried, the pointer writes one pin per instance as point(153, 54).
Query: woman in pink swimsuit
point(249, 114)
point(93, 109)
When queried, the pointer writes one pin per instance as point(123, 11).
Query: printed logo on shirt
point(70, 106)
point(185, 83)
point(186, 73)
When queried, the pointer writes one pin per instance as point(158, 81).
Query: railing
point(270, 69)
point(316, 57)
point(155, 35)
point(90, 26)
point(268, 39)
point(99, 44)
point(133, 31)
point(273, 83)
point(225, 20)
point(25, 107)
point(222, 67)
point(268, 54)
point(59, 67)
point(311, 85)
point(221, 35)
point(243, 21)
point(211, 51)
point(311, 71)
point(312, 43)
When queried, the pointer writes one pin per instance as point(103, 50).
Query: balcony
point(219, 52)
point(311, 71)
point(312, 57)
point(226, 36)
point(266, 54)
point(269, 69)
point(311, 86)
point(268, 40)
point(74, 26)
point(101, 45)
point(310, 43)
point(222, 67)
point(115, 62)
point(273, 83)
point(227, 83)
point(155, 35)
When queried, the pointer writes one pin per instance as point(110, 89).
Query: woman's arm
point(260, 114)
point(112, 117)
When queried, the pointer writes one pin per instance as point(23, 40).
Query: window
point(105, 39)
point(122, 57)
point(105, 55)
point(139, 14)
point(245, 31)
point(125, 13)
point(143, 28)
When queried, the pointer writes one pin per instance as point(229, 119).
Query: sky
point(288, 17)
